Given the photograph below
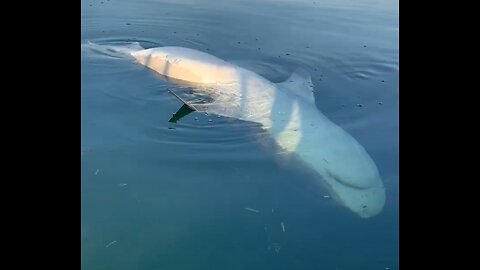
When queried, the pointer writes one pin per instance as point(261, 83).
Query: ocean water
point(160, 195)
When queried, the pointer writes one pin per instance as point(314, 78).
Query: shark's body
point(287, 111)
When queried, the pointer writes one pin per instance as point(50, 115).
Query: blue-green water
point(158, 195)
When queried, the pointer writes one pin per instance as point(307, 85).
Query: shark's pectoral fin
point(299, 84)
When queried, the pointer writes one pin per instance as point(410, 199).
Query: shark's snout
point(364, 201)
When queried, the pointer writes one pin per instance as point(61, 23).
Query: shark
point(286, 111)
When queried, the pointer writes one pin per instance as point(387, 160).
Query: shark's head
point(351, 175)
point(344, 165)
point(363, 193)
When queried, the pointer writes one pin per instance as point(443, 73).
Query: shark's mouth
point(343, 182)
point(364, 201)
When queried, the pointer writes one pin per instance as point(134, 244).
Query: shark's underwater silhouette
point(285, 110)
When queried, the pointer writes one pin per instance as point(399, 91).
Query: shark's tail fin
point(119, 51)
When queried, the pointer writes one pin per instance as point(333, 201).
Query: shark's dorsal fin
point(299, 84)
point(189, 107)
point(183, 111)
point(186, 103)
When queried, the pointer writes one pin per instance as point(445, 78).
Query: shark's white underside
point(286, 110)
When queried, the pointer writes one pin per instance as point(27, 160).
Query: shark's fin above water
point(185, 102)
point(183, 111)
point(299, 84)
point(189, 107)
point(116, 50)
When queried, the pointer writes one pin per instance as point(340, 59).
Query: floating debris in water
point(97, 171)
point(111, 243)
point(259, 48)
point(174, 32)
point(380, 103)
point(238, 42)
point(275, 246)
point(122, 184)
point(171, 128)
point(359, 105)
point(287, 54)
point(283, 226)
point(256, 39)
point(364, 46)
point(252, 210)
point(308, 47)
point(364, 206)
point(210, 120)
point(383, 81)
point(196, 118)
point(128, 24)
point(326, 196)
point(90, 5)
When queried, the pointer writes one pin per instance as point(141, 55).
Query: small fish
point(111, 243)
point(122, 184)
point(283, 226)
point(326, 196)
point(97, 171)
point(252, 210)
